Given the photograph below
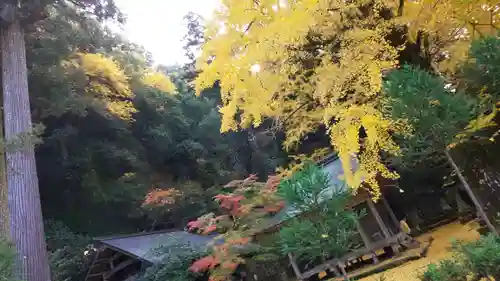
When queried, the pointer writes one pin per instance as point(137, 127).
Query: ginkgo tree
point(308, 64)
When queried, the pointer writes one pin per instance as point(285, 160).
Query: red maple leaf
point(230, 202)
point(209, 229)
point(203, 264)
point(192, 225)
point(272, 183)
point(236, 210)
point(251, 179)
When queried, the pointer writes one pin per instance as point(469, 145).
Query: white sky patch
point(158, 25)
point(255, 68)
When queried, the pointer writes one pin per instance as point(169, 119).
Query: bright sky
point(158, 26)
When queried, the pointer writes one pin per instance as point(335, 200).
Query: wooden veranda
point(379, 236)
point(379, 229)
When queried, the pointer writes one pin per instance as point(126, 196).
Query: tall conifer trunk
point(4, 194)
point(26, 223)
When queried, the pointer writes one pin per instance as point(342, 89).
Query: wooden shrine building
point(122, 258)
point(379, 230)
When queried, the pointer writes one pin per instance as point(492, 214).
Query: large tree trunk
point(4, 194)
point(26, 223)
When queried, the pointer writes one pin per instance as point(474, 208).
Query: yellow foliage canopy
point(308, 63)
point(455, 23)
point(99, 79)
point(159, 81)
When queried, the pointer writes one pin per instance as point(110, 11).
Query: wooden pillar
point(472, 196)
point(344, 272)
point(295, 267)
point(366, 241)
point(379, 220)
point(391, 212)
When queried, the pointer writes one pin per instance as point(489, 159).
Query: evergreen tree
point(330, 232)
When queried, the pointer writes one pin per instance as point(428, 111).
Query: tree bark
point(4, 193)
point(26, 223)
point(4, 198)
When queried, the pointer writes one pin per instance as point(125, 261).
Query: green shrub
point(478, 259)
point(482, 72)
point(330, 230)
point(481, 257)
point(446, 270)
point(175, 267)
point(66, 251)
point(7, 260)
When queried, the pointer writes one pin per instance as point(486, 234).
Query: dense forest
point(124, 145)
point(114, 133)
point(116, 128)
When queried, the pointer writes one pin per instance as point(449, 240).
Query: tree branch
point(401, 7)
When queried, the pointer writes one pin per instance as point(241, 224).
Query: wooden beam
point(118, 268)
point(391, 212)
point(379, 219)
point(95, 258)
point(473, 197)
point(344, 272)
point(353, 254)
point(111, 260)
point(95, 275)
point(116, 255)
point(366, 240)
point(295, 267)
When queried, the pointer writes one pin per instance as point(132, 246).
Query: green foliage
point(483, 69)
point(66, 252)
point(7, 261)
point(446, 270)
point(431, 114)
point(471, 261)
point(329, 235)
point(329, 230)
point(94, 178)
point(174, 266)
point(482, 257)
point(304, 189)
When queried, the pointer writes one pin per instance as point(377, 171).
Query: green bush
point(482, 72)
point(7, 260)
point(446, 270)
point(66, 251)
point(330, 230)
point(476, 260)
point(175, 267)
point(482, 257)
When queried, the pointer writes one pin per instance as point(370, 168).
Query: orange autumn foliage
point(161, 197)
point(241, 210)
point(203, 264)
